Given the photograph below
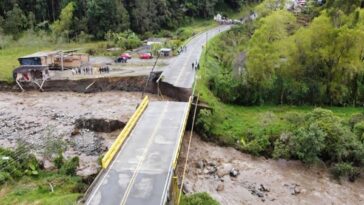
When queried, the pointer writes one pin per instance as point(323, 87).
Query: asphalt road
point(140, 173)
point(180, 73)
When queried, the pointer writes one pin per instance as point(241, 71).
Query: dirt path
point(42, 119)
point(262, 181)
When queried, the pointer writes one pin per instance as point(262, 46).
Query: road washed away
point(235, 178)
point(85, 124)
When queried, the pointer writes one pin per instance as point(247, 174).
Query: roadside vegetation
point(273, 83)
point(198, 199)
point(24, 180)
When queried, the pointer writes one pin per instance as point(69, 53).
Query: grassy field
point(232, 123)
point(66, 190)
point(30, 43)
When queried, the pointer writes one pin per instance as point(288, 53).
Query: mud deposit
point(260, 180)
point(75, 120)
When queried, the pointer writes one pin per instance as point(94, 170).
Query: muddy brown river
point(42, 119)
point(262, 181)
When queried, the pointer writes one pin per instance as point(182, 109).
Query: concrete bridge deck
point(141, 172)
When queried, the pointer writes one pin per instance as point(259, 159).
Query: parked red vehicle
point(125, 55)
point(145, 56)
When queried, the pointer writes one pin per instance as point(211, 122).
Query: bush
point(342, 169)
point(14, 164)
point(281, 147)
point(204, 122)
point(199, 199)
point(125, 40)
point(258, 146)
point(184, 33)
point(322, 136)
point(70, 166)
point(359, 130)
point(59, 161)
point(4, 177)
point(295, 118)
point(165, 34)
point(356, 118)
point(308, 143)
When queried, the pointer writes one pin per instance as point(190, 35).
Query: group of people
point(195, 65)
point(104, 69)
point(88, 70)
point(182, 49)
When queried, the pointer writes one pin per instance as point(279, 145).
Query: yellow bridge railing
point(110, 154)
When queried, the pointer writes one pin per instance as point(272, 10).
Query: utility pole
point(150, 74)
point(206, 44)
point(205, 63)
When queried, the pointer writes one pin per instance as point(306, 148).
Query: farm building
point(56, 59)
point(35, 68)
point(43, 58)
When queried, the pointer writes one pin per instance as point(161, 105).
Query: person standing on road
point(193, 66)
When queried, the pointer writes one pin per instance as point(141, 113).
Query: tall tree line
point(288, 63)
point(96, 17)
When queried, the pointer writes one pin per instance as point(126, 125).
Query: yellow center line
point(131, 183)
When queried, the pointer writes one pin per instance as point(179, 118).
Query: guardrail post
point(175, 191)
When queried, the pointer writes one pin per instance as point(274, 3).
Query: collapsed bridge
point(139, 167)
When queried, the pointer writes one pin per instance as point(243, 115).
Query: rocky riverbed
point(84, 124)
point(235, 178)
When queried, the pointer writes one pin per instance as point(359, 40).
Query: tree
point(105, 15)
point(269, 6)
point(331, 60)
point(347, 6)
point(62, 26)
point(1, 24)
point(15, 22)
point(201, 8)
point(264, 56)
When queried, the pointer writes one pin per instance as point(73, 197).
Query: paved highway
point(180, 73)
point(140, 173)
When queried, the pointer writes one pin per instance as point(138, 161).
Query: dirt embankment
point(211, 169)
point(85, 123)
point(89, 85)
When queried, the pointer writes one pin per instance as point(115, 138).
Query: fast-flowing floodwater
point(263, 181)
